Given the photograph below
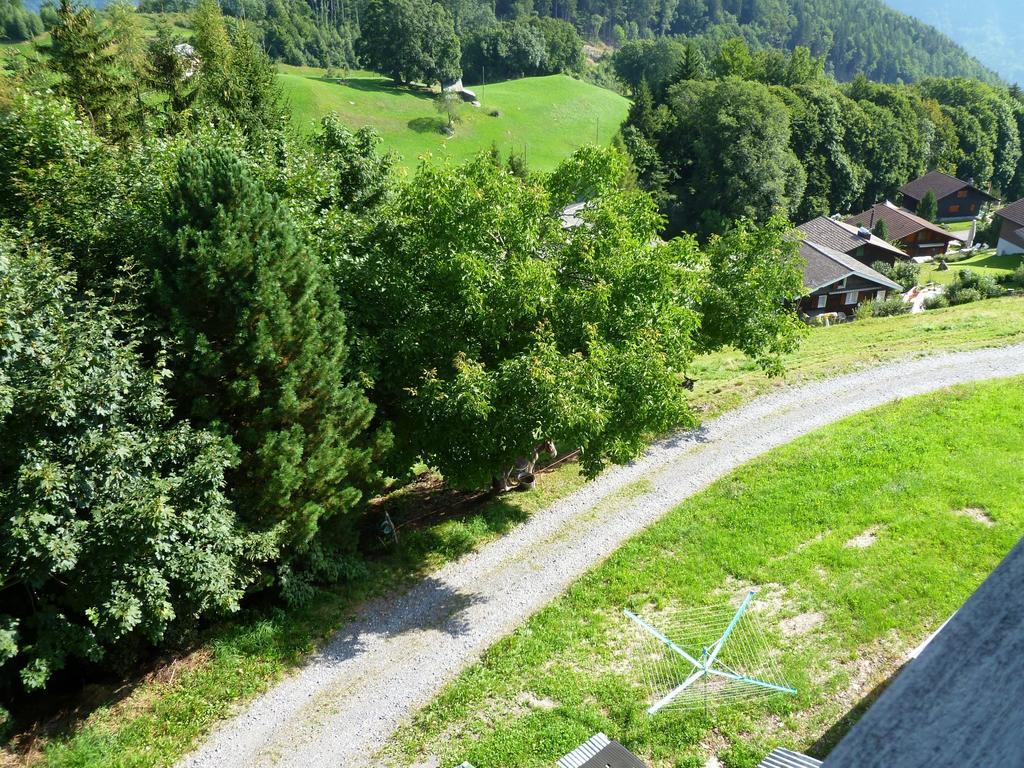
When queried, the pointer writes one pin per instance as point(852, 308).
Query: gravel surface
point(341, 707)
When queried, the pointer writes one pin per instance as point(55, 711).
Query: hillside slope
point(545, 118)
point(855, 36)
point(993, 30)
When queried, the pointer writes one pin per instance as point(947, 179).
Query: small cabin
point(914, 235)
point(957, 200)
point(836, 283)
point(854, 241)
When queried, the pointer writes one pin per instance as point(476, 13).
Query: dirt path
point(345, 703)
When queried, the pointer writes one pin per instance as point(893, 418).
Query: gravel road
point(341, 707)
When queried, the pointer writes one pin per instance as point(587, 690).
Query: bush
point(972, 286)
point(115, 531)
point(1018, 275)
point(903, 272)
point(939, 301)
point(960, 295)
point(889, 307)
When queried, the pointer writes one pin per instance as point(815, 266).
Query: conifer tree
point(81, 53)
point(928, 208)
point(881, 229)
point(261, 351)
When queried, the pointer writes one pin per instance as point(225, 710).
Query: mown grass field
point(985, 263)
point(543, 118)
point(861, 538)
point(163, 713)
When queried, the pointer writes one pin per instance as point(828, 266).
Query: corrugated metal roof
point(784, 758)
point(584, 751)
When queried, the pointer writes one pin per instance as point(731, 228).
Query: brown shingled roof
point(843, 237)
point(1014, 212)
point(826, 266)
point(942, 184)
point(901, 222)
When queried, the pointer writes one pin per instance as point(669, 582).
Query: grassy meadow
point(861, 539)
point(543, 118)
point(155, 718)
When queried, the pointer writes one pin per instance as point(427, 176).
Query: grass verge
point(158, 718)
point(862, 538)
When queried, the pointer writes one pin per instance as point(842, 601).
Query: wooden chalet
point(1011, 234)
point(837, 282)
point(958, 200)
point(857, 242)
point(914, 235)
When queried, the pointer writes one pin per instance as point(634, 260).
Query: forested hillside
point(517, 37)
point(748, 134)
point(990, 29)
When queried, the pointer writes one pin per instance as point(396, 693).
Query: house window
point(851, 297)
point(954, 209)
point(879, 295)
point(841, 283)
point(822, 300)
point(974, 207)
point(962, 193)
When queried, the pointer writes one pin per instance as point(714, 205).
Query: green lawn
point(544, 117)
point(168, 710)
point(957, 226)
point(986, 263)
point(862, 539)
point(727, 379)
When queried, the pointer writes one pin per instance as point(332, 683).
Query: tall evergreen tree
point(928, 207)
point(81, 53)
point(261, 351)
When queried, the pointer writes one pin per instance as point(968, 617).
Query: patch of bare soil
point(864, 539)
point(977, 514)
point(800, 624)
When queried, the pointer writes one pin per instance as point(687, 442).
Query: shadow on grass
point(426, 124)
point(385, 86)
point(828, 740)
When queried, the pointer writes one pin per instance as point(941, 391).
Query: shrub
point(960, 295)
point(889, 307)
point(114, 527)
point(972, 286)
point(903, 272)
point(1018, 275)
point(938, 301)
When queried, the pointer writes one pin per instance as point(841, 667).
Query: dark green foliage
point(114, 526)
point(260, 353)
point(772, 134)
point(728, 143)
point(888, 307)
point(410, 40)
point(881, 230)
point(577, 335)
point(939, 301)
point(535, 46)
point(969, 285)
point(928, 206)
point(89, 75)
point(903, 272)
point(17, 23)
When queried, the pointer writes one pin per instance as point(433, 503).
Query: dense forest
point(853, 36)
point(219, 340)
point(747, 134)
point(990, 29)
